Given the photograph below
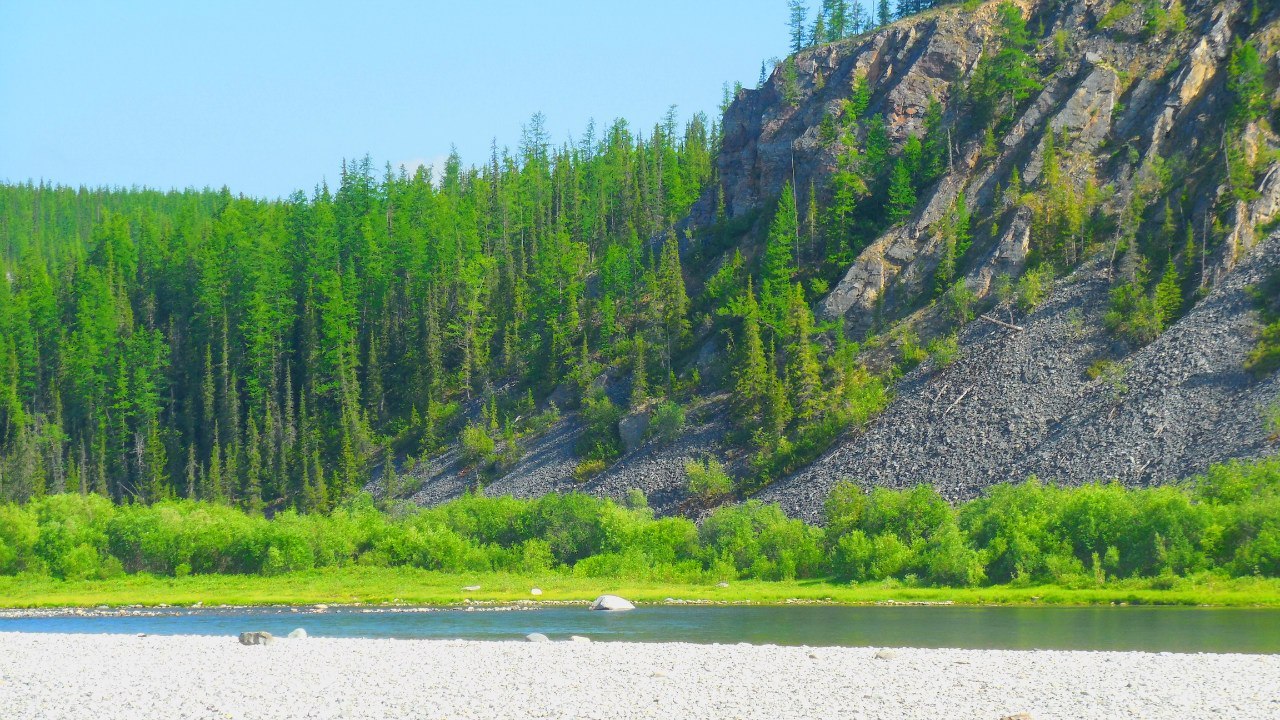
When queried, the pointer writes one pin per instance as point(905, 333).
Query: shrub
point(477, 446)
point(1033, 288)
point(588, 469)
point(707, 480)
point(668, 421)
point(943, 351)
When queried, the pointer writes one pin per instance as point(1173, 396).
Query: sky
point(269, 97)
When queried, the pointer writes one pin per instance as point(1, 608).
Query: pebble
point(60, 677)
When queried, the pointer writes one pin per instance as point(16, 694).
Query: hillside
point(1131, 116)
point(989, 240)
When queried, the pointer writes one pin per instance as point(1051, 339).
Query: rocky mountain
point(1130, 148)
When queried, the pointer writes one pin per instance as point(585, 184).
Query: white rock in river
point(537, 637)
point(298, 634)
point(611, 602)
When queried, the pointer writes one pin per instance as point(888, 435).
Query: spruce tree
point(902, 194)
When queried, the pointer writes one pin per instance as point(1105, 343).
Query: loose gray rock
point(886, 654)
point(298, 634)
point(611, 603)
point(256, 638)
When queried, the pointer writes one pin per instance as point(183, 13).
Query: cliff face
point(1138, 117)
point(1120, 97)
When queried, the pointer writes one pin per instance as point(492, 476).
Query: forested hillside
point(201, 344)
point(982, 241)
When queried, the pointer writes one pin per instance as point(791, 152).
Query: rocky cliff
point(1135, 109)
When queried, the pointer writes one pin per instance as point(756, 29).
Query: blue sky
point(268, 97)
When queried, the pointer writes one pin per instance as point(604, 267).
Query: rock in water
point(537, 637)
point(298, 634)
point(611, 602)
point(256, 638)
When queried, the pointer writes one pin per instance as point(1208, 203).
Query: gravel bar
point(124, 676)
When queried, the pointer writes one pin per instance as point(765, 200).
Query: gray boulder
point(537, 638)
point(256, 638)
point(298, 634)
point(632, 428)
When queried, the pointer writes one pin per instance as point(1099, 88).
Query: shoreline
point(403, 587)
point(56, 676)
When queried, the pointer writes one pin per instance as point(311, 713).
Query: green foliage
point(1246, 79)
point(668, 421)
point(1140, 316)
point(1118, 12)
point(707, 480)
point(1005, 78)
point(265, 353)
point(477, 446)
point(599, 439)
point(1225, 522)
point(1033, 288)
point(902, 193)
point(943, 351)
point(1265, 356)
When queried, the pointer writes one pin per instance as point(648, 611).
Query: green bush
point(707, 480)
point(477, 446)
point(668, 421)
point(1226, 522)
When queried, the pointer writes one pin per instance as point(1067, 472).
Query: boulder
point(611, 602)
point(256, 638)
point(537, 638)
point(632, 428)
point(579, 639)
point(471, 588)
point(886, 654)
point(535, 591)
point(298, 634)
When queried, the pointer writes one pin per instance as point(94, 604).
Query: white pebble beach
point(110, 677)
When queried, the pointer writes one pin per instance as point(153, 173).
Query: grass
point(367, 585)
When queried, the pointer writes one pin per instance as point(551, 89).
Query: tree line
point(1224, 523)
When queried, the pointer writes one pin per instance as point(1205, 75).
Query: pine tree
point(884, 15)
point(1168, 295)
point(804, 378)
point(639, 380)
point(797, 11)
point(751, 373)
point(902, 193)
point(779, 260)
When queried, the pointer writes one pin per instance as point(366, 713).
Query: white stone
point(611, 602)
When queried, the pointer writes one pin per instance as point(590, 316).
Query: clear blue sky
point(269, 97)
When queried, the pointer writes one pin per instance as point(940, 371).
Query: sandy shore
point(110, 677)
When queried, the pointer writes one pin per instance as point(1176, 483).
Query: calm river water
point(1103, 628)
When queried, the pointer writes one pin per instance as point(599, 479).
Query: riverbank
point(74, 676)
point(409, 586)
